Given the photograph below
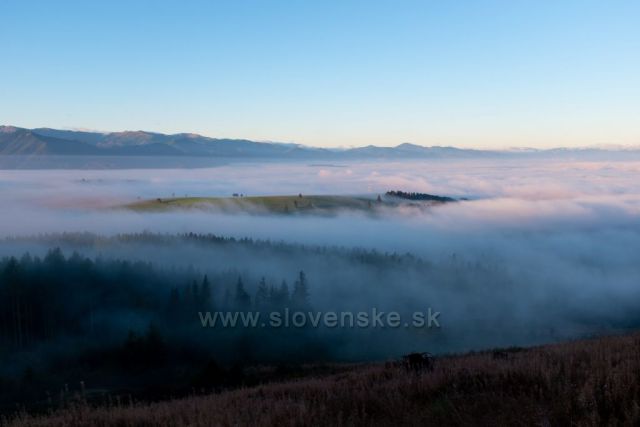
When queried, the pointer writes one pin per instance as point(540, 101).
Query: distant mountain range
point(54, 142)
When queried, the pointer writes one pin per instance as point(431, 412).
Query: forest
point(121, 313)
point(113, 324)
point(119, 324)
point(419, 196)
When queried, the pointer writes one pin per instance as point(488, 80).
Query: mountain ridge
point(48, 141)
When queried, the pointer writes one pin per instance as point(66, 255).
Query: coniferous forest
point(74, 313)
point(121, 325)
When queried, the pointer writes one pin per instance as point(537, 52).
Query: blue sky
point(328, 73)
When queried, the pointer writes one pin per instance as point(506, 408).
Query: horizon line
point(612, 146)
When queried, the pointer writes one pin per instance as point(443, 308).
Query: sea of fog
point(527, 214)
point(505, 197)
point(561, 234)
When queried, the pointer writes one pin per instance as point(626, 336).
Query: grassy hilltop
point(286, 204)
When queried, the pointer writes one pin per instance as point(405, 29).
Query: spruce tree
point(262, 294)
point(283, 295)
point(300, 295)
point(242, 298)
point(205, 291)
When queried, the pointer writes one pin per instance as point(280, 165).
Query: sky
point(485, 74)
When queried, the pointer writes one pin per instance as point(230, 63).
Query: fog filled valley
point(91, 291)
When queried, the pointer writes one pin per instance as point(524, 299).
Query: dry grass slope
point(593, 383)
point(287, 204)
point(265, 204)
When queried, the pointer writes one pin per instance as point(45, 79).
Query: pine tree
point(195, 293)
point(205, 291)
point(273, 296)
point(282, 298)
point(242, 298)
point(262, 294)
point(300, 295)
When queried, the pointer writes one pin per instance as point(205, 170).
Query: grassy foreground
point(592, 382)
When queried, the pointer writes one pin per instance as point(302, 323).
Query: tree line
point(419, 196)
point(45, 298)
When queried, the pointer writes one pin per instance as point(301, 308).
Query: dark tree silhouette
point(242, 298)
point(205, 292)
point(300, 294)
point(279, 297)
point(262, 294)
point(419, 196)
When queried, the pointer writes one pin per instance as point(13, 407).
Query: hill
point(591, 382)
point(287, 204)
point(18, 141)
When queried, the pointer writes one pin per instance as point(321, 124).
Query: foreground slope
point(591, 382)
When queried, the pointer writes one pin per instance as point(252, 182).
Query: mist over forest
point(531, 252)
point(347, 213)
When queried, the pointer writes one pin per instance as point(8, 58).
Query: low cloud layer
point(547, 238)
point(512, 204)
point(504, 195)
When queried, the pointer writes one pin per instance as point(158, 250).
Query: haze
point(578, 220)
